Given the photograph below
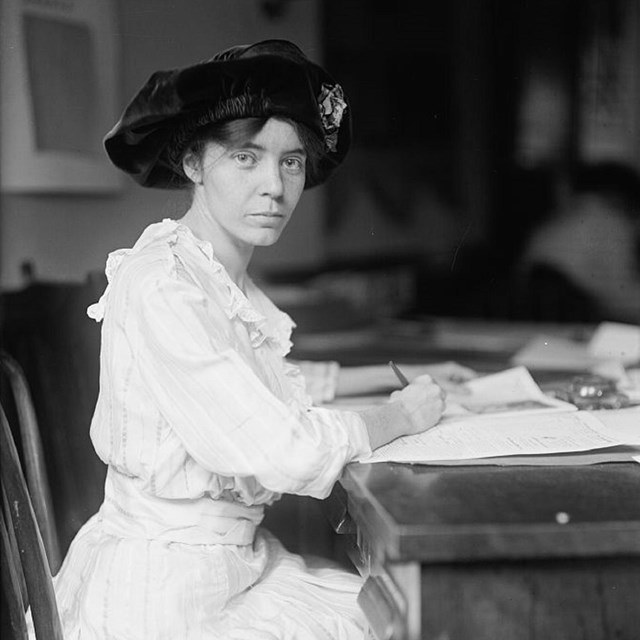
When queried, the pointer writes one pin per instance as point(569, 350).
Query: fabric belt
point(129, 512)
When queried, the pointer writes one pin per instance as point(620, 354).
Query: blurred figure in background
point(588, 245)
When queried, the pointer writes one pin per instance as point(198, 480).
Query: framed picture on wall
point(58, 95)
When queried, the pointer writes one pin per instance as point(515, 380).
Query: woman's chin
point(266, 237)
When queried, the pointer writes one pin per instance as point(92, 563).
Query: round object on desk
point(593, 392)
point(592, 386)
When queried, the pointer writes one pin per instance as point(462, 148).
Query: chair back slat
point(13, 603)
point(13, 548)
point(31, 552)
point(33, 456)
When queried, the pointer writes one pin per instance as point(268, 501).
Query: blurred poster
point(59, 79)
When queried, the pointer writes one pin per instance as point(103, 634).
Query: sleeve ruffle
point(165, 228)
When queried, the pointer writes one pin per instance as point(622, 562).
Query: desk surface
point(434, 514)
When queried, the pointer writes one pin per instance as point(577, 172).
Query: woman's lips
point(266, 217)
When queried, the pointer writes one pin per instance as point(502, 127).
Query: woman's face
point(251, 190)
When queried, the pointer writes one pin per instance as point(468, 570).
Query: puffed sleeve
point(321, 378)
point(224, 415)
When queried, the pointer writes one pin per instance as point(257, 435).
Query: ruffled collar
point(265, 322)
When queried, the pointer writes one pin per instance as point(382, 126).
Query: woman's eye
point(294, 165)
point(244, 158)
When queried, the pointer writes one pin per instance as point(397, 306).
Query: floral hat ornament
point(332, 107)
point(265, 79)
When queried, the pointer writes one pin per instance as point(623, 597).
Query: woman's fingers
point(423, 402)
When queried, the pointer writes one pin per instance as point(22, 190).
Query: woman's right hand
point(423, 401)
point(416, 408)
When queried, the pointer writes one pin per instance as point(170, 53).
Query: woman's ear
point(192, 168)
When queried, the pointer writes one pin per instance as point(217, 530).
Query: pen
point(403, 379)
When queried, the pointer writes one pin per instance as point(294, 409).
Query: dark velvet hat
point(268, 78)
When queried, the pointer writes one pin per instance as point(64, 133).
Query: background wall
point(65, 237)
point(456, 106)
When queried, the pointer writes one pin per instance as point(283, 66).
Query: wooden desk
point(485, 553)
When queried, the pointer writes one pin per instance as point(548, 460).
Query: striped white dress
point(202, 423)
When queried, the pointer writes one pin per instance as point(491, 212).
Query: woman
point(200, 419)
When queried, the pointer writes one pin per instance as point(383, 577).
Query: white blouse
point(197, 403)
point(202, 423)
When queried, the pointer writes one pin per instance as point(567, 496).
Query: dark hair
point(616, 181)
point(231, 133)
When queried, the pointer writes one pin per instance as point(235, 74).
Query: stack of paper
point(507, 415)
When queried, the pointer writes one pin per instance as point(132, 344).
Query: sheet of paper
point(616, 341)
point(554, 353)
point(509, 392)
point(529, 434)
point(631, 384)
point(621, 453)
point(614, 370)
point(611, 342)
point(623, 424)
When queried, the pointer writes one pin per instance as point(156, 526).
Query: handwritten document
point(527, 434)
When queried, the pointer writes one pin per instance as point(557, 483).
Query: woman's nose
point(272, 183)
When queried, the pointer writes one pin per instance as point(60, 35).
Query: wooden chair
point(26, 577)
point(33, 458)
point(45, 328)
